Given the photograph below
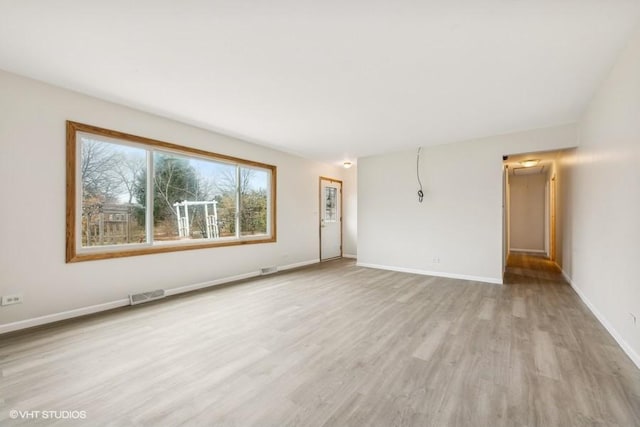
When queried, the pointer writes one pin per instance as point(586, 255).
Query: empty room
point(286, 213)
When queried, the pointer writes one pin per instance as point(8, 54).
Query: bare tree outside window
point(110, 213)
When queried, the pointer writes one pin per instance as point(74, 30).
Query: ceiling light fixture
point(347, 165)
point(530, 163)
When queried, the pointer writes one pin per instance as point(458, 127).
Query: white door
point(330, 218)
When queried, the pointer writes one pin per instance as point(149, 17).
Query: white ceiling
point(329, 80)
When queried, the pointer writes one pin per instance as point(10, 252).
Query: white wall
point(561, 205)
point(460, 220)
point(564, 240)
point(601, 249)
point(527, 212)
point(350, 213)
point(32, 217)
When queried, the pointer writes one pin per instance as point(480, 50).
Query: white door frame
point(505, 218)
point(553, 201)
point(320, 214)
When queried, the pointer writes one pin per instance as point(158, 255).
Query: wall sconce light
point(347, 164)
point(530, 163)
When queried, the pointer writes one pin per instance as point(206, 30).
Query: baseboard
point(299, 264)
point(635, 357)
point(83, 311)
point(534, 251)
point(349, 256)
point(63, 315)
point(432, 273)
point(196, 286)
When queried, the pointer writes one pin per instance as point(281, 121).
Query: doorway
point(532, 215)
point(330, 215)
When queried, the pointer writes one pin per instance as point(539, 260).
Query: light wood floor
point(333, 345)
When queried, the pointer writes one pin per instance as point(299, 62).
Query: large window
point(129, 195)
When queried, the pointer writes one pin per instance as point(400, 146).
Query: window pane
point(254, 193)
point(112, 212)
point(330, 204)
point(193, 198)
point(225, 184)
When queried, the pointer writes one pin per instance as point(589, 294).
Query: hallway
point(529, 269)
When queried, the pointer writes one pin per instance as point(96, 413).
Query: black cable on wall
point(420, 192)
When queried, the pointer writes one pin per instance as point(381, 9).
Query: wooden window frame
point(76, 254)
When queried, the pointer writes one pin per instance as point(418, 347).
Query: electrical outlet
point(12, 299)
point(436, 260)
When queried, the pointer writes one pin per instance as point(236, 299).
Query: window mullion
point(79, 193)
point(149, 196)
point(269, 203)
point(238, 205)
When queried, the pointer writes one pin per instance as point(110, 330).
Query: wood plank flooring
point(333, 345)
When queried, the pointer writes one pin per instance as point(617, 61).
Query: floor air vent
point(268, 270)
point(146, 296)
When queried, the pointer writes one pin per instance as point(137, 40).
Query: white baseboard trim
point(299, 264)
point(349, 256)
point(63, 315)
point(69, 314)
point(635, 357)
point(432, 273)
point(196, 286)
point(535, 251)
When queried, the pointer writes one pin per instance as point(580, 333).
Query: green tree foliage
point(227, 213)
point(253, 211)
point(253, 203)
point(174, 181)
